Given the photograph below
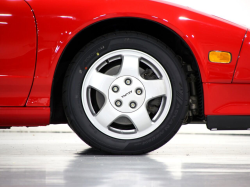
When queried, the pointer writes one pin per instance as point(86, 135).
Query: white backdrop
point(237, 11)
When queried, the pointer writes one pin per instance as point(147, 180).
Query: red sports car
point(125, 75)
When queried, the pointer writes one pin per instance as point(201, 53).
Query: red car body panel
point(227, 99)
point(58, 22)
point(24, 116)
point(242, 73)
point(17, 52)
point(57, 25)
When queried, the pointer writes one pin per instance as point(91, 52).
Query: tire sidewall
point(78, 119)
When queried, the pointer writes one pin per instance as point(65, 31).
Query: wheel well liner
point(157, 30)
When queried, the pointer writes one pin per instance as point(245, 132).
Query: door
point(17, 52)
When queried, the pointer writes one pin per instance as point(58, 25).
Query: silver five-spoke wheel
point(125, 83)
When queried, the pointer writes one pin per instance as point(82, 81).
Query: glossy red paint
point(57, 25)
point(17, 52)
point(227, 99)
point(24, 116)
point(242, 73)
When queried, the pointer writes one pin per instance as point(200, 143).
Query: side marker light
point(220, 57)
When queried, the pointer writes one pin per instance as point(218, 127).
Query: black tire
point(77, 117)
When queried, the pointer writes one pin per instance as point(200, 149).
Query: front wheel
point(125, 93)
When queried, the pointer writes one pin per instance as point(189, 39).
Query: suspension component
point(193, 100)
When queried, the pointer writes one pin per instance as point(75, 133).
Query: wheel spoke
point(101, 82)
point(130, 66)
point(140, 119)
point(154, 88)
point(107, 115)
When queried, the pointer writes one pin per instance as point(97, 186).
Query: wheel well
point(161, 32)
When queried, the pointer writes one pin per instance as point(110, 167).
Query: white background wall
point(237, 11)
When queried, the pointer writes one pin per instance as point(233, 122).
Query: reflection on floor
point(62, 159)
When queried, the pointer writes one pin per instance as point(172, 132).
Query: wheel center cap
point(127, 94)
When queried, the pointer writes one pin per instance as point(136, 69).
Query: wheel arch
point(155, 29)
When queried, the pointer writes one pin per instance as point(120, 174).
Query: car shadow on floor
point(92, 151)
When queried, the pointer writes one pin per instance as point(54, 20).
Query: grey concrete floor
point(62, 159)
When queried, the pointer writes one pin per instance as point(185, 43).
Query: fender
point(59, 22)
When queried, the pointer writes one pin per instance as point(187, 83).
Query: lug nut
point(132, 105)
point(115, 89)
point(118, 103)
point(138, 91)
point(128, 81)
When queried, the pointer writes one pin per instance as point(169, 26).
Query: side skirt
point(24, 116)
point(228, 122)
